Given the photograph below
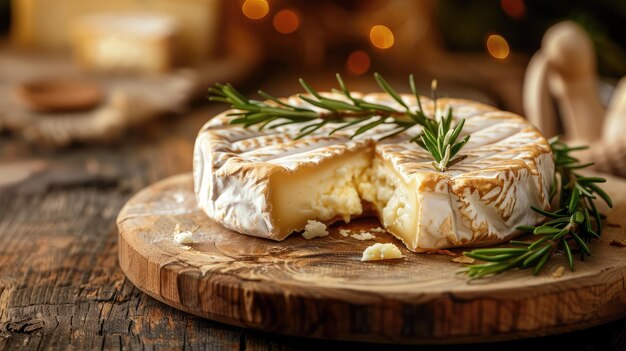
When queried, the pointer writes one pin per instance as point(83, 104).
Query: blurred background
point(96, 77)
point(100, 98)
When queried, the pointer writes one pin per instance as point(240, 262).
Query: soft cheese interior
point(325, 192)
point(395, 204)
point(266, 184)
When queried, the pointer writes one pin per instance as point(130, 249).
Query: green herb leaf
point(571, 221)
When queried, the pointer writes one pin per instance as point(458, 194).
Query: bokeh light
point(514, 8)
point(358, 62)
point(286, 21)
point(381, 37)
point(255, 9)
point(497, 46)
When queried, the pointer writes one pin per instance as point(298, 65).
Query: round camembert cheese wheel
point(266, 184)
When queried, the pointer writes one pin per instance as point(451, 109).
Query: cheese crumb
point(463, 259)
point(344, 232)
point(363, 236)
point(558, 272)
point(380, 251)
point(314, 229)
point(179, 198)
point(378, 230)
point(185, 237)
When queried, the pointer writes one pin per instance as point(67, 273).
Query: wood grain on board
point(320, 288)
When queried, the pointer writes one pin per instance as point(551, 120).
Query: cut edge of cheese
point(325, 192)
point(394, 203)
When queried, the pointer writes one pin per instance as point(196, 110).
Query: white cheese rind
point(240, 173)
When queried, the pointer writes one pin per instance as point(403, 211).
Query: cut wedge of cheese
point(266, 184)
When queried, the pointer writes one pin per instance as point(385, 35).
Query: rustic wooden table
point(60, 283)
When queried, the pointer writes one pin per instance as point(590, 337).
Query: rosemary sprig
point(443, 145)
point(568, 229)
point(439, 138)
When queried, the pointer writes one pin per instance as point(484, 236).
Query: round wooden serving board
point(320, 288)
